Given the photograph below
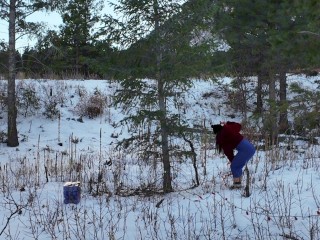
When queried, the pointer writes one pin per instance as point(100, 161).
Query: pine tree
point(264, 41)
point(79, 18)
point(160, 33)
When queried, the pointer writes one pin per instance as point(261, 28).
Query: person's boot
point(236, 183)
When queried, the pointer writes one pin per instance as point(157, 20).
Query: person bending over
point(228, 138)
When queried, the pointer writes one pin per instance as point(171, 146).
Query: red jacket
point(228, 138)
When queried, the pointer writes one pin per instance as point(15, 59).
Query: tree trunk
point(12, 111)
point(272, 108)
point(167, 186)
point(283, 118)
point(259, 106)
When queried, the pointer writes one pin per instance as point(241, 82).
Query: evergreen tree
point(264, 41)
point(76, 49)
point(45, 58)
point(79, 18)
point(160, 34)
point(308, 12)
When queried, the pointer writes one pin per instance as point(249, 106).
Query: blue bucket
point(71, 192)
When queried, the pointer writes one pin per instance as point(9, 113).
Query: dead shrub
point(93, 105)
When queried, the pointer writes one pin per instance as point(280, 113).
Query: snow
point(284, 200)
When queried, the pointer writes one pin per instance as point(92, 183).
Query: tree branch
point(317, 35)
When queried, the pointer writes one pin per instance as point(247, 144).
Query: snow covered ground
point(284, 202)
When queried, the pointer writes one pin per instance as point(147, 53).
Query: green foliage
point(27, 99)
point(76, 50)
point(172, 41)
point(265, 39)
point(54, 98)
point(296, 88)
point(305, 109)
point(4, 54)
point(77, 33)
point(263, 35)
point(51, 110)
point(79, 18)
point(306, 121)
point(180, 29)
point(160, 35)
point(25, 8)
point(139, 19)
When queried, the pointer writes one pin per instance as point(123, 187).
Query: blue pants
point(245, 152)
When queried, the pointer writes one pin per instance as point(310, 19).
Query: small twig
point(194, 159)
point(8, 220)
point(46, 172)
point(17, 211)
point(159, 203)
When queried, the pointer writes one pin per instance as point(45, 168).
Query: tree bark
point(12, 111)
point(259, 106)
point(272, 108)
point(167, 185)
point(283, 118)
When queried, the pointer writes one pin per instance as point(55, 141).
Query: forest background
point(236, 59)
point(171, 42)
